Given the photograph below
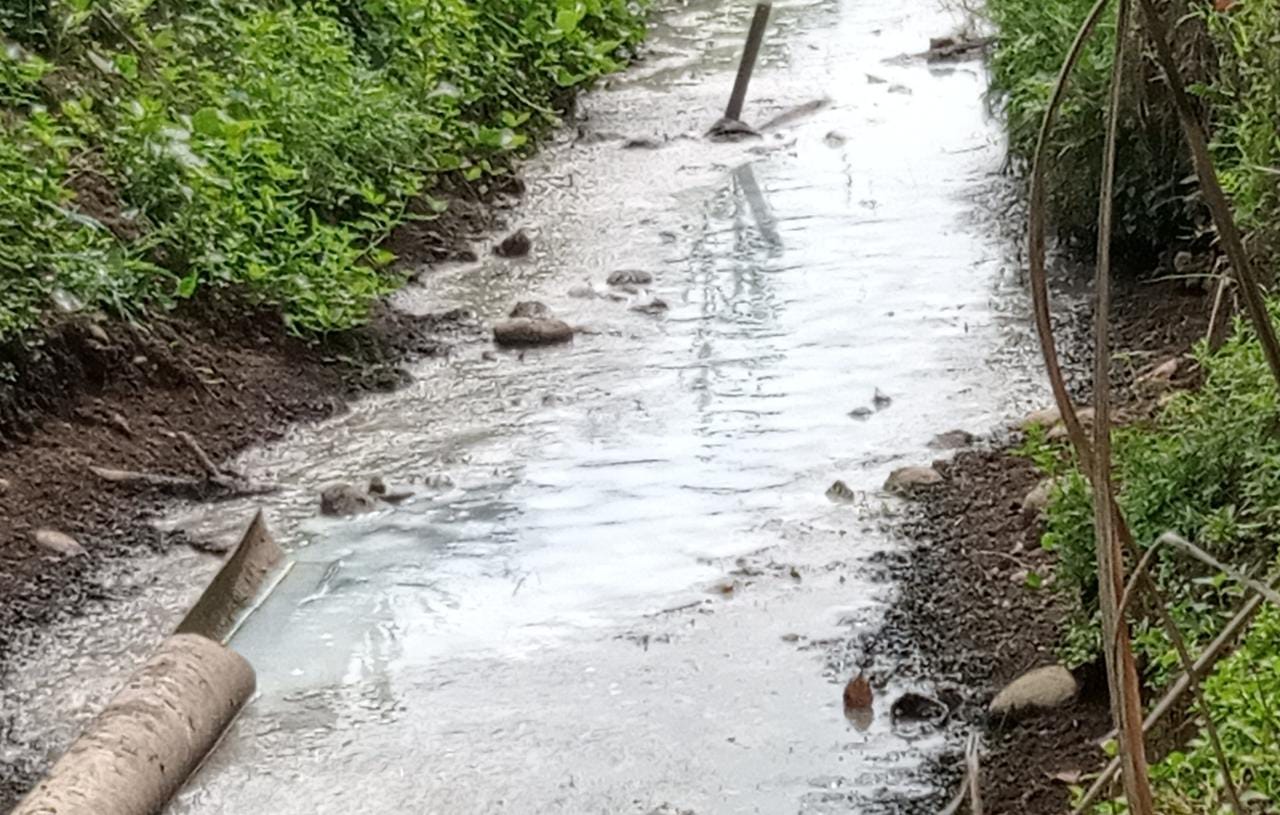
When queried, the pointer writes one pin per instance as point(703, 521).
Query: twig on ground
point(971, 760)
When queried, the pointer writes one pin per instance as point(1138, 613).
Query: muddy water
point(618, 585)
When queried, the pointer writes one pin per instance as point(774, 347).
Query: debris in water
point(641, 143)
point(881, 400)
point(857, 694)
point(872, 79)
point(834, 139)
point(918, 708)
point(861, 413)
point(731, 130)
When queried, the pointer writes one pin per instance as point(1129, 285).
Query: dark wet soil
point(966, 614)
point(114, 395)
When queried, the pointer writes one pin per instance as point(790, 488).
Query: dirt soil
point(115, 395)
point(965, 608)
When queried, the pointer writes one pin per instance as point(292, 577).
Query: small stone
point(1046, 688)
point(340, 500)
point(377, 486)
point(5, 484)
point(515, 245)
point(952, 440)
point(861, 413)
point(652, 307)
point(641, 143)
point(904, 479)
point(582, 292)
point(881, 400)
point(58, 543)
point(1161, 374)
point(835, 139)
point(524, 331)
point(489, 356)
point(1037, 501)
point(902, 89)
point(839, 491)
point(531, 309)
point(1046, 417)
point(872, 79)
point(630, 277)
point(99, 333)
point(438, 481)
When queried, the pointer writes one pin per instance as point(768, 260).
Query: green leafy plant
point(270, 146)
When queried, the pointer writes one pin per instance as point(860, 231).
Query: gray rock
point(525, 331)
point(861, 413)
point(341, 500)
point(630, 277)
point(1037, 501)
point(531, 309)
point(918, 708)
point(952, 440)
point(377, 486)
point(906, 478)
point(840, 491)
point(515, 245)
point(1046, 688)
point(1046, 417)
point(583, 291)
point(881, 399)
point(59, 543)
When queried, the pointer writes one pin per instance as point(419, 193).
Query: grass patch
point(266, 146)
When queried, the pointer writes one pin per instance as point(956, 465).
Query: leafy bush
point(267, 146)
point(1034, 38)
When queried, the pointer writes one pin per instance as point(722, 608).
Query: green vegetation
point(1208, 466)
point(1233, 62)
point(151, 148)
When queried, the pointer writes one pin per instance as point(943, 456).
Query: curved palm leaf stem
point(1122, 670)
point(1214, 197)
point(1036, 241)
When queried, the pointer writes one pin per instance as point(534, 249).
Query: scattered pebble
point(905, 478)
point(531, 309)
point(652, 307)
point(515, 245)
point(630, 277)
point(59, 543)
point(952, 440)
point(840, 492)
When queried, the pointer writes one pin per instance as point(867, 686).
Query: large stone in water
point(526, 331)
point(515, 245)
point(1046, 688)
point(340, 500)
point(630, 277)
point(906, 478)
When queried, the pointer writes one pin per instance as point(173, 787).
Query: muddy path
point(618, 584)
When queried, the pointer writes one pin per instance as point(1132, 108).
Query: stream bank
point(976, 592)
